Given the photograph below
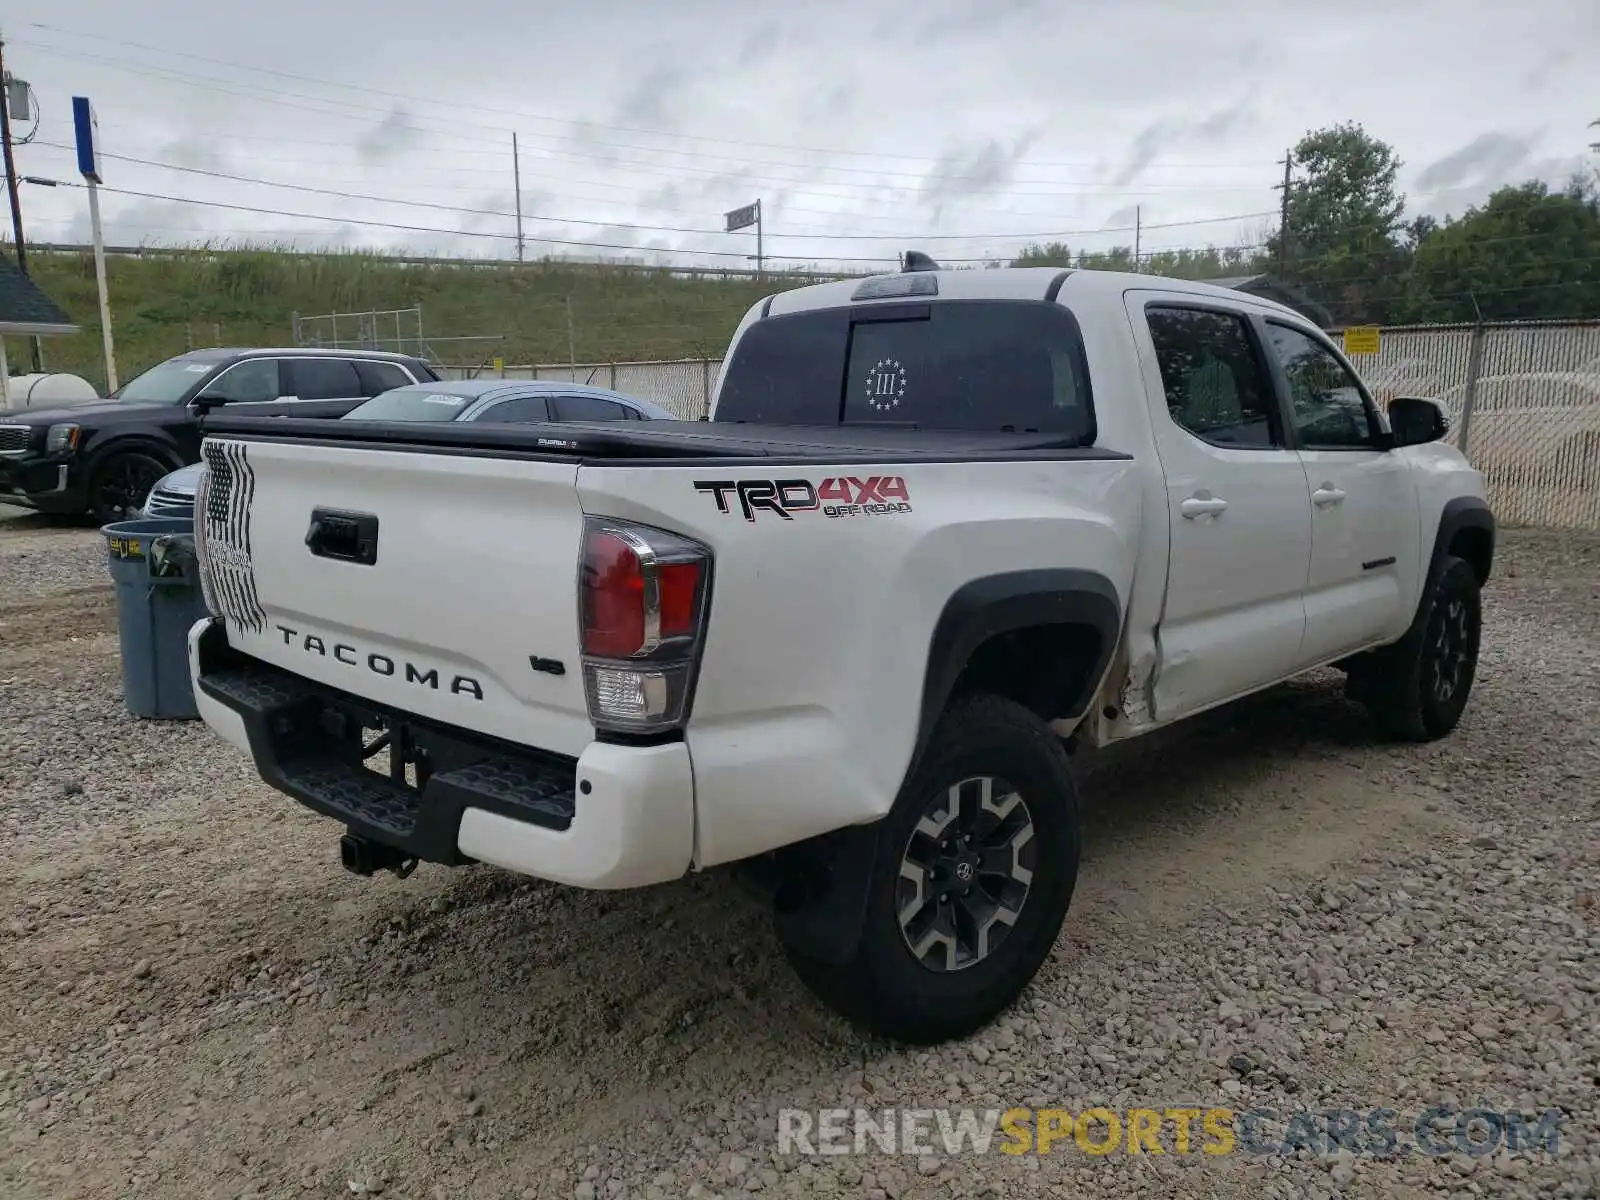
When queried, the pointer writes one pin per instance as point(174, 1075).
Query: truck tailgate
point(473, 572)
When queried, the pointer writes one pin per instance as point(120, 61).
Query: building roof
point(25, 309)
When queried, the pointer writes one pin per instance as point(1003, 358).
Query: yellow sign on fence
point(500, 366)
point(1362, 339)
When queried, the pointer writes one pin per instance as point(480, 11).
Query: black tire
point(885, 987)
point(120, 482)
point(1418, 689)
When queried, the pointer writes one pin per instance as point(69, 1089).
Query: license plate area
point(390, 749)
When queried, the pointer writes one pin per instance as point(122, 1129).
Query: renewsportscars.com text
point(1374, 1132)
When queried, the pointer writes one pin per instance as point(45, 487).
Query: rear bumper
point(615, 817)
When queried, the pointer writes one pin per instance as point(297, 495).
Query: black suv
point(102, 458)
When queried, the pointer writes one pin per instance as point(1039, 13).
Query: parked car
point(496, 400)
point(504, 401)
point(940, 522)
point(101, 458)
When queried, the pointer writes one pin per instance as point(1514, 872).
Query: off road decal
point(836, 496)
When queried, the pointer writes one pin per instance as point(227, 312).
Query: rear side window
point(980, 365)
point(377, 377)
point(588, 408)
point(1216, 385)
point(321, 378)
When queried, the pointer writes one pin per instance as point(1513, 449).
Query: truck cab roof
point(1004, 283)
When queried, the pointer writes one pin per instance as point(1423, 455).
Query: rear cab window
point(968, 365)
point(418, 402)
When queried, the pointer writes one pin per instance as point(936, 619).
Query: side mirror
point(206, 401)
point(1417, 421)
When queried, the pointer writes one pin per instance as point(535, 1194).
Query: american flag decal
point(222, 535)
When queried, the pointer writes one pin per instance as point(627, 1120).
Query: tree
point(1183, 263)
point(1526, 253)
point(1344, 218)
point(1052, 254)
point(1418, 229)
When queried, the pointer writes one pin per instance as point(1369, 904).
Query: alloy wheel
point(965, 873)
point(1451, 648)
point(123, 486)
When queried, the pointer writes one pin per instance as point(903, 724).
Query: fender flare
point(1461, 512)
point(167, 452)
point(995, 604)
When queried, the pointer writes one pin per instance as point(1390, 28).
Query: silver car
point(498, 400)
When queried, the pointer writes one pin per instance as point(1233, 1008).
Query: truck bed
point(663, 443)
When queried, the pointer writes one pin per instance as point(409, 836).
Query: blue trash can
point(158, 601)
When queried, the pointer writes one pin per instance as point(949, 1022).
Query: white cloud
point(886, 120)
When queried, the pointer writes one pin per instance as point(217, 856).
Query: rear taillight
point(642, 599)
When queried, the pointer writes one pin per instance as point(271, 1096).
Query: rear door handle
point(1325, 495)
point(1202, 506)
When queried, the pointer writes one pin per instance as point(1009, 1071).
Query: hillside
point(163, 304)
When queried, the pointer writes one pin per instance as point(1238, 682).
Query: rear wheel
point(1418, 689)
point(119, 485)
point(975, 869)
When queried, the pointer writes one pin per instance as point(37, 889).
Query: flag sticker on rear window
point(886, 384)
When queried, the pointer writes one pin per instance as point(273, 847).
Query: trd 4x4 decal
point(836, 496)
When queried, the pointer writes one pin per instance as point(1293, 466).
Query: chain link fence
point(1524, 403)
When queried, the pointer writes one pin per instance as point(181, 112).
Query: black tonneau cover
point(660, 443)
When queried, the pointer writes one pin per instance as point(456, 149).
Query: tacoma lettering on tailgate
point(378, 664)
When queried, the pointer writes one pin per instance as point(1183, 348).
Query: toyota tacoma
point(939, 523)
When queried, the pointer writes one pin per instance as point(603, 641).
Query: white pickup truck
point(938, 523)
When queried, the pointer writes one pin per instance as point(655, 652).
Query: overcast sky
point(864, 126)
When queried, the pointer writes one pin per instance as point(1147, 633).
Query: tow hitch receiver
point(363, 856)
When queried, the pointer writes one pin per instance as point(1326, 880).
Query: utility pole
point(760, 272)
point(11, 189)
point(1283, 220)
point(516, 174)
point(1138, 229)
point(572, 341)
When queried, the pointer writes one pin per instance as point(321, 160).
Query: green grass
point(166, 303)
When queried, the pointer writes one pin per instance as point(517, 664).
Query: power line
point(487, 212)
point(783, 204)
point(1397, 273)
point(341, 220)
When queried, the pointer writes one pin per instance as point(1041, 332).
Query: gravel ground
point(1276, 911)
